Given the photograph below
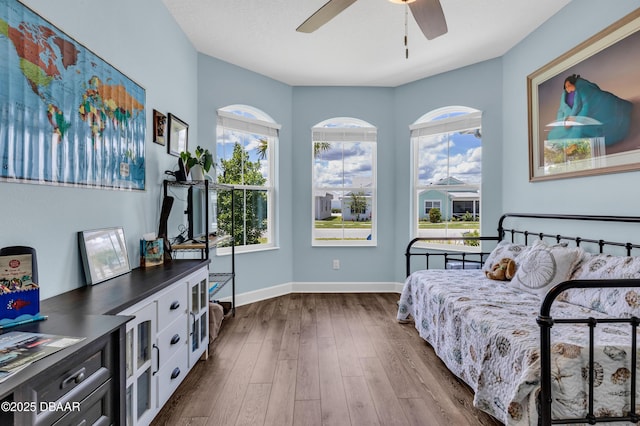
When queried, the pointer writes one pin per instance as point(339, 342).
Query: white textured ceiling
point(363, 46)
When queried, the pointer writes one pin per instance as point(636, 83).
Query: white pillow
point(606, 266)
point(504, 249)
point(543, 266)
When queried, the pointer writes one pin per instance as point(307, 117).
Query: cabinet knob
point(175, 339)
point(74, 378)
point(175, 305)
point(175, 373)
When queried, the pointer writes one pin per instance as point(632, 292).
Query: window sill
point(226, 251)
point(345, 244)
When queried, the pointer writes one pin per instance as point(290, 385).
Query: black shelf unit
point(217, 279)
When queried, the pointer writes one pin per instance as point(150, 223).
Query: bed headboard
point(504, 232)
point(527, 227)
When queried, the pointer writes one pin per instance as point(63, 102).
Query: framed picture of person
point(584, 107)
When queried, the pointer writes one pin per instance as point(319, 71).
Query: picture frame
point(178, 132)
point(104, 254)
point(49, 122)
point(584, 107)
point(159, 127)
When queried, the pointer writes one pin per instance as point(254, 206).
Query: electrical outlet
point(336, 263)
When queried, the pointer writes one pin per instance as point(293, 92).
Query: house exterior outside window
point(246, 152)
point(446, 174)
point(344, 183)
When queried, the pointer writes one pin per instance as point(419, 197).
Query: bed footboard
point(546, 322)
point(465, 257)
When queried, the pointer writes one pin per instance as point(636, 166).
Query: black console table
point(92, 372)
point(114, 296)
point(89, 373)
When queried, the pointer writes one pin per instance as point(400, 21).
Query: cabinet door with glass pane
point(140, 365)
point(198, 315)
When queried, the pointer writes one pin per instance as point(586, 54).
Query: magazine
point(20, 349)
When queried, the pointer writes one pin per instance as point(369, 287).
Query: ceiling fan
point(427, 13)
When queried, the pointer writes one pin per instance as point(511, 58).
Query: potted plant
point(199, 164)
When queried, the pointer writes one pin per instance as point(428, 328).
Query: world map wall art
point(67, 117)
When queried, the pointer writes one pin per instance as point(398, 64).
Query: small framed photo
point(104, 254)
point(178, 136)
point(159, 127)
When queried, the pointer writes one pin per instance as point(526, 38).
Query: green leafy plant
point(202, 156)
point(434, 215)
point(474, 233)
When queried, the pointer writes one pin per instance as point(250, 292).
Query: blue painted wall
point(478, 86)
point(572, 25)
point(312, 105)
point(142, 40)
point(221, 84)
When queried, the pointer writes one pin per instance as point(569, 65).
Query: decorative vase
point(197, 173)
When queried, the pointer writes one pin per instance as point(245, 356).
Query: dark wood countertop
point(91, 312)
point(92, 327)
point(117, 294)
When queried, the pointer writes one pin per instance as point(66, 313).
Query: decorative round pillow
point(538, 271)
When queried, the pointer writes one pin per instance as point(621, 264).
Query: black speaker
point(181, 174)
point(167, 203)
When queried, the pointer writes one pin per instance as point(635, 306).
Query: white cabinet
point(140, 345)
point(198, 316)
point(169, 334)
point(172, 338)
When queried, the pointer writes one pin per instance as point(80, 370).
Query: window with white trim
point(447, 174)
point(246, 147)
point(431, 204)
point(344, 183)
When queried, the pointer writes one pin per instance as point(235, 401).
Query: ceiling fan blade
point(430, 17)
point(330, 10)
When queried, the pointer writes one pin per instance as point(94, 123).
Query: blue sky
point(344, 164)
point(464, 158)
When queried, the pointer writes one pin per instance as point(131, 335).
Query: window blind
point(446, 125)
point(248, 125)
point(344, 134)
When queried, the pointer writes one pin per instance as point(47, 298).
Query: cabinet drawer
point(172, 339)
point(171, 375)
point(72, 380)
point(171, 305)
point(96, 409)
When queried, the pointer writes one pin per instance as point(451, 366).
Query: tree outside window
point(245, 151)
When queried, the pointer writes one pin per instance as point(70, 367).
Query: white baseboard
point(315, 287)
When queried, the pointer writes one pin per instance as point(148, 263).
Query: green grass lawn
point(335, 222)
point(450, 225)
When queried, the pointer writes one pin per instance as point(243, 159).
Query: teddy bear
point(503, 270)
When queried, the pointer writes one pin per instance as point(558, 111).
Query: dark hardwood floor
point(321, 359)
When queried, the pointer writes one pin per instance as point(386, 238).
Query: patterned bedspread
point(486, 333)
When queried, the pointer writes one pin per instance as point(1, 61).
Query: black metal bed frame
point(544, 319)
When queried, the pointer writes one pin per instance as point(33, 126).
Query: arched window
point(447, 174)
point(246, 147)
point(344, 183)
